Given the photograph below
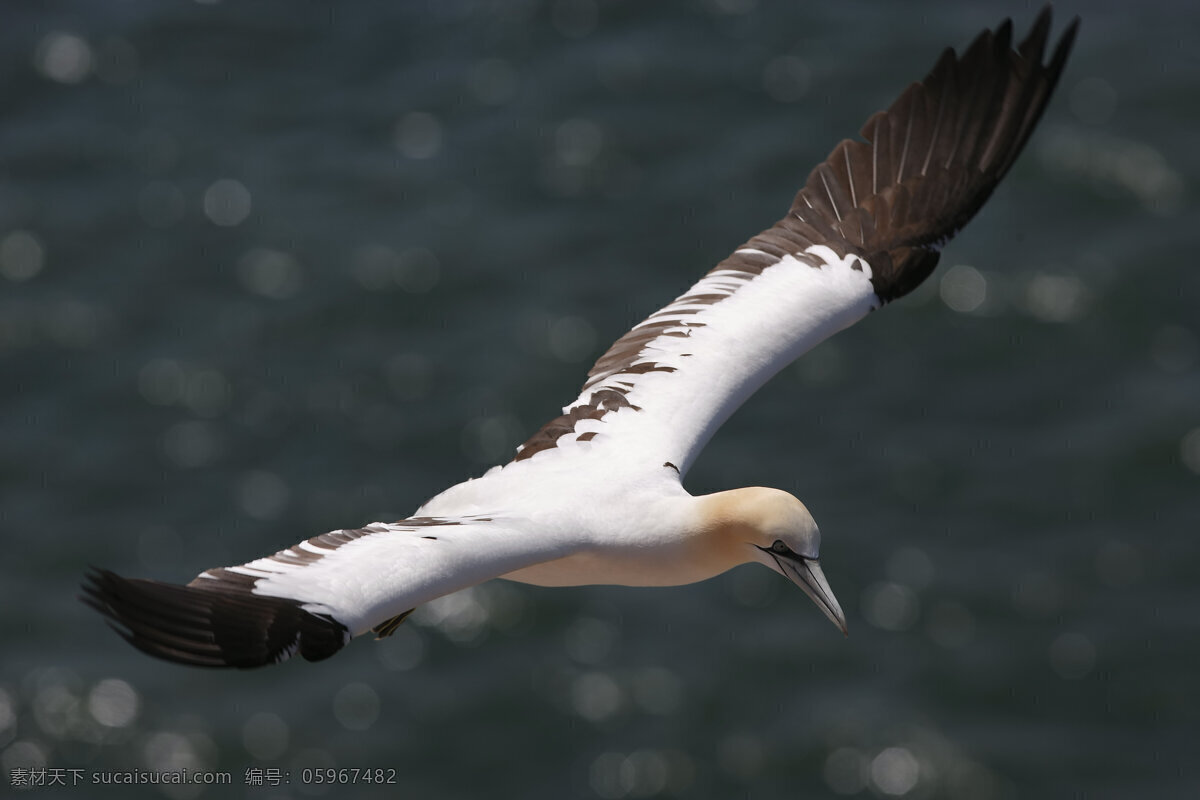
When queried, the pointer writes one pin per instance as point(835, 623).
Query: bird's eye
point(779, 548)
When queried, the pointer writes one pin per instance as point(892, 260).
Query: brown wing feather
point(929, 161)
point(927, 165)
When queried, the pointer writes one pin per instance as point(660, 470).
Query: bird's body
point(596, 495)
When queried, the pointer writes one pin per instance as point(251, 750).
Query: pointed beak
point(806, 573)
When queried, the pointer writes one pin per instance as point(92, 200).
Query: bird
point(596, 495)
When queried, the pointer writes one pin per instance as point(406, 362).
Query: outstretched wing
point(313, 597)
point(866, 228)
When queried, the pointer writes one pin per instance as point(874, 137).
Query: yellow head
point(774, 528)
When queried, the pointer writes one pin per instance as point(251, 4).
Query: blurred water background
point(269, 269)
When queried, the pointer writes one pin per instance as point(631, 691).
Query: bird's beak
point(806, 573)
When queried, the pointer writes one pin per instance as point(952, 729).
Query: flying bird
point(596, 495)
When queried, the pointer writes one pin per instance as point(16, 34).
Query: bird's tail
point(210, 627)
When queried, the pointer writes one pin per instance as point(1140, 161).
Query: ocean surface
point(269, 269)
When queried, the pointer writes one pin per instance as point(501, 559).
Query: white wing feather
point(395, 566)
point(727, 350)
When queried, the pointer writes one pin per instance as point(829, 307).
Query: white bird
point(596, 495)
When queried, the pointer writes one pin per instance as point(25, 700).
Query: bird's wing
point(312, 597)
point(866, 228)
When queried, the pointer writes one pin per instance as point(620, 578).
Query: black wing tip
point(930, 161)
point(1034, 44)
point(206, 628)
point(973, 167)
point(1066, 42)
point(1043, 22)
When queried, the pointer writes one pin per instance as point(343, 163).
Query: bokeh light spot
point(63, 57)
point(265, 736)
point(604, 775)
point(227, 202)
point(572, 339)
point(21, 256)
point(403, 650)
point(314, 758)
point(356, 706)
point(462, 616)
point(577, 142)
point(170, 751)
point(596, 696)
point(846, 771)
point(890, 606)
point(194, 443)
point(895, 771)
point(262, 495)
point(57, 709)
point(657, 690)
point(270, 273)
point(1189, 450)
point(963, 288)
point(1054, 298)
point(23, 754)
point(644, 773)
point(589, 640)
point(419, 135)
point(113, 703)
point(493, 81)
point(1072, 656)
point(786, 78)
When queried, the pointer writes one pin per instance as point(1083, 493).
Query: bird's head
point(774, 528)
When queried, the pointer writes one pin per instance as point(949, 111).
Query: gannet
point(596, 495)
